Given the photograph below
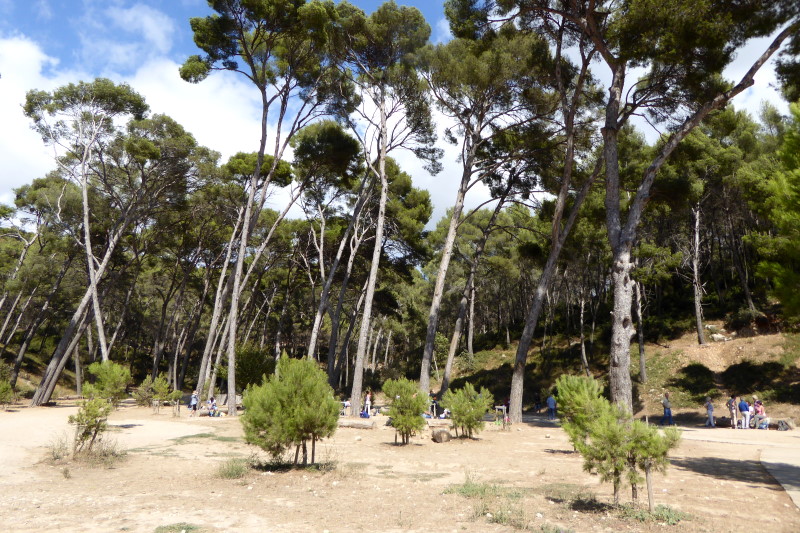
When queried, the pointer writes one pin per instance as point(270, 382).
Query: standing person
point(744, 410)
point(731, 404)
point(193, 401)
point(551, 407)
point(368, 402)
point(710, 412)
point(667, 410)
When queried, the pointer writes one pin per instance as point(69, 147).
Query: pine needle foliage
point(290, 408)
point(613, 446)
point(91, 420)
point(407, 406)
point(467, 408)
point(111, 380)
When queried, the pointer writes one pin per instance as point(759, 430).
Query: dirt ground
point(528, 475)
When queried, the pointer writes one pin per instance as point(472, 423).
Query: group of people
point(194, 405)
point(743, 414)
point(750, 414)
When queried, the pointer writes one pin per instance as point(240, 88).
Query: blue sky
point(47, 43)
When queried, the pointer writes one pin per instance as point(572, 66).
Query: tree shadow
point(696, 379)
point(731, 469)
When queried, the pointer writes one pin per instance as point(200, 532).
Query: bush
point(233, 469)
point(408, 404)
point(111, 381)
point(6, 394)
point(290, 408)
point(612, 445)
point(467, 408)
point(107, 391)
point(90, 422)
point(144, 394)
point(252, 364)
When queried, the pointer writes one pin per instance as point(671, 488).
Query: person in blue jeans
point(551, 408)
point(667, 411)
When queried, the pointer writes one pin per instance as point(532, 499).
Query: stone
point(441, 435)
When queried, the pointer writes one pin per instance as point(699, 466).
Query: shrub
point(290, 408)
point(90, 422)
point(144, 394)
point(233, 469)
point(467, 408)
point(111, 381)
point(252, 364)
point(407, 406)
point(612, 445)
point(107, 391)
point(6, 394)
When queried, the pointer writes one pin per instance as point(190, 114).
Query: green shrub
point(110, 383)
point(406, 408)
point(90, 422)
point(233, 469)
point(290, 408)
point(467, 408)
point(6, 394)
point(144, 394)
point(252, 364)
point(612, 445)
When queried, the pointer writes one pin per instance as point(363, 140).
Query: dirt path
point(527, 477)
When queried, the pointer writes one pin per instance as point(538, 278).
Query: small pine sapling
point(294, 406)
point(111, 381)
point(90, 422)
point(406, 408)
point(467, 408)
point(108, 390)
point(612, 445)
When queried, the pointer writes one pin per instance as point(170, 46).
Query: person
point(744, 410)
point(434, 404)
point(732, 409)
point(368, 402)
point(551, 407)
point(761, 414)
point(709, 405)
point(212, 407)
point(193, 401)
point(665, 403)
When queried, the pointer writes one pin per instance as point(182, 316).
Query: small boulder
point(441, 435)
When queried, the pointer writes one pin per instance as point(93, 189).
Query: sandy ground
point(169, 476)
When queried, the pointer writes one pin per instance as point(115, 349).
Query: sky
point(45, 44)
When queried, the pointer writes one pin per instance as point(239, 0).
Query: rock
point(358, 438)
point(547, 435)
point(441, 435)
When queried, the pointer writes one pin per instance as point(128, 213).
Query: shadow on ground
point(730, 469)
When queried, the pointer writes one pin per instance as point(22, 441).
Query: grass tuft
point(235, 468)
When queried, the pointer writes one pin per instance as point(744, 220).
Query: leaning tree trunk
point(366, 317)
point(462, 305)
point(444, 264)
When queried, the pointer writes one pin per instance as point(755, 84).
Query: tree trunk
point(584, 361)
point(696, 284)
point(325, 294)
point(640, 332)
point(444, 264)
point(366, 317)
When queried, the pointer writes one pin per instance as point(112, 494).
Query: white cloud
point(442, 32)
point(24, 156)
point(154, 26)
point(43, 10)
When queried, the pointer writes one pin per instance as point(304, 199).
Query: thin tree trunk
point(366, 317)
point(444, 264)
point(696, 285)
point(584, 361)
point(8, 317)
point(640, 332)
point(20, 315)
